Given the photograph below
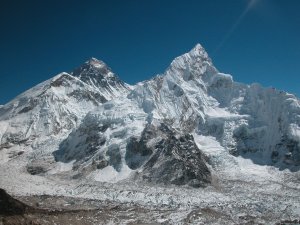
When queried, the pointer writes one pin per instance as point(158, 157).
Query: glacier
point(189, 137)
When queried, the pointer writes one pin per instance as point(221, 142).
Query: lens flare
point(250, 5)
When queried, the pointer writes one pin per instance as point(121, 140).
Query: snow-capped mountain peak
point(56, 106)
point(97, 74)
point(94, 60)
point(98, 64)
point(198, 51)
point(197, 56)
point(184, 127)
point(93, 67)
point(192, 65)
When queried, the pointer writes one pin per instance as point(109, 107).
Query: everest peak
point(95, 63)
point(93, 67)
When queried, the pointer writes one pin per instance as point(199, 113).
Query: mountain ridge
point(191, 91)
point(191, 126)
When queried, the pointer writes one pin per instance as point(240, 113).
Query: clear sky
point(254, 40)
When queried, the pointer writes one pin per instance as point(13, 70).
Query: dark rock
point(31, 104)
point(176, 160)
point(97, 76)
point(102, 164)
point(10, 206)
point(137, 151)
point(36, 169)
point(115, 158)
point(94, 97)
point(91, 141)
point(62, 81)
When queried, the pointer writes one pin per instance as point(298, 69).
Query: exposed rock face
point(114, 157)
point(97, 74)
point(36, 169)
point(82, 143)
point(137, 151)
point(175, 160)
point(11, 206)
point(288, 151)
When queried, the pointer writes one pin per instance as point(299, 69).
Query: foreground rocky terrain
point(39, 210)
point(189, 146)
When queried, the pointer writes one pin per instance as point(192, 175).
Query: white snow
point(62, 167)
point(191, 97)
point(109, 174)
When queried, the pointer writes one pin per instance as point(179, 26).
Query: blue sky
point(254, 40)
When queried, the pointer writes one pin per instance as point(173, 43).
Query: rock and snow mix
point(189, 137)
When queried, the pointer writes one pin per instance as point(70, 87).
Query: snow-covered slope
point(192, 125)
point(192, 96)
point(45, 114)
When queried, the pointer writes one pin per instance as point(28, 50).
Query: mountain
point(252, 121)
point(57, 105)
point(88, 132)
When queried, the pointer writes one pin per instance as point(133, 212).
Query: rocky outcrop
point(11, 206)
point(176, 159)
